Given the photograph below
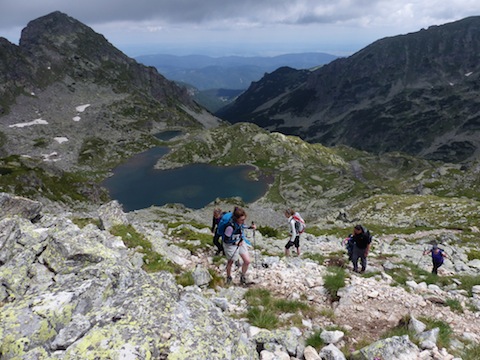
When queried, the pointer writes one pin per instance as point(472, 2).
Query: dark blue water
point(137, 185)
point(168, 135)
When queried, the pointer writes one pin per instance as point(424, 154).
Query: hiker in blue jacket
point(235, 243)
point(437, 257)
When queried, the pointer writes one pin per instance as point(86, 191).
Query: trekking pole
point(254, 248)
point(421, 256)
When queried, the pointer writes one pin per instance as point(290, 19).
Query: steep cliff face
point(67, 90)
point(416, 93)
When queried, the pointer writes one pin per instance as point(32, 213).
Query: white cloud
point(217, 22)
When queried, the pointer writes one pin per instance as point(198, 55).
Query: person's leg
point(355, 256)
point(231, 253)
point(287, 247)
point(297, 244)
point(363, 260)
point(244, 254)
point(218, 244)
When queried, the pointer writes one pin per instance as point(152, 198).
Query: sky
point(241, 27)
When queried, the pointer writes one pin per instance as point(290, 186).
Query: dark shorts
point(295, 243)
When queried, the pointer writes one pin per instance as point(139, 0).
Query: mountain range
point(416, 93)
point(228, 72)
point(82, 279)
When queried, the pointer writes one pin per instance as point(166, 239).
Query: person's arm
point(293, 230)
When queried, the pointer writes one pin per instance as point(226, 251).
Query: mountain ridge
point(412, 93)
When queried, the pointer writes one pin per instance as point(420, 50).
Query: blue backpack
point(223, 223)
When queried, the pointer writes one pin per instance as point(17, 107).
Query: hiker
point(437, 257)
point(361, 246)
point(217, 215)
point(348, 243)
point(235, 243)
point(295, 227)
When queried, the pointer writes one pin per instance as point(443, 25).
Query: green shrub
point(455, 305)
point(262, 318)
point(473, 254)
point(399, 330)
point(268, 231)
point(471, 352)
point(445, 334)
point(153, 262)
point(334, 281)
point(468, 282)
point(82, 222)
point(264, 309)
point(185, 279)
point(318, 258)
point(315, 340)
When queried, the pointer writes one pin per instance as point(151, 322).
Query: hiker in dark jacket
point(361, 246)
point(437, 257)
point(217, 215)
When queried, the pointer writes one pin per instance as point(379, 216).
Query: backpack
point(225, 221)
point(299, 223)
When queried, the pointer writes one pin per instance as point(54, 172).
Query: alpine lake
point(136, 184)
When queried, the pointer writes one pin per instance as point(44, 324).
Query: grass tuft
point(334, 281)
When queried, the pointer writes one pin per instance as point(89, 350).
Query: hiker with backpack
point(235, 243)
point(437, 257)
point(217, 215)
point(296, 226)
point(361, 239)
point(348, 243)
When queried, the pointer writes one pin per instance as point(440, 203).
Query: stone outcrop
point(69, 292)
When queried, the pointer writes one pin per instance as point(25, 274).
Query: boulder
point(11, 205)
point(394, 348)
point(112, 214)
point(331, 352)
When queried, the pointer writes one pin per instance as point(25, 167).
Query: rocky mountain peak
point(414, 93)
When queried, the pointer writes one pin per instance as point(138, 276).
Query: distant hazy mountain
point(417, 93)
point(230, 72)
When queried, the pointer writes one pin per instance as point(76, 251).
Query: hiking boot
point(229, 280)
point(243, 279)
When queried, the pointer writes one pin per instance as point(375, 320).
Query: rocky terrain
point(82, 279)
point(72, 291)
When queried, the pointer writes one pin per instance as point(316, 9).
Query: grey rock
point(11, 205)
point(416, 326)
point(331, 352)
point(394, 348)
point(428, 339)
point(331, 337)
point(311, 354)
point(112, 214)
point(71, 333)
point(201, 276)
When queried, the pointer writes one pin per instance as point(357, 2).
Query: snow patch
point(81, 108)
point(76, 118)
point(51, 157)
point(34, 122)
point(60, 139)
